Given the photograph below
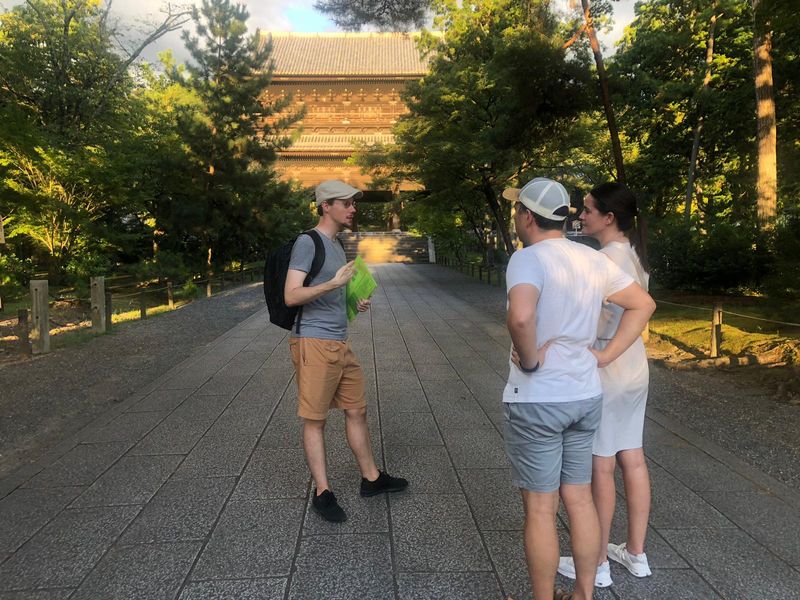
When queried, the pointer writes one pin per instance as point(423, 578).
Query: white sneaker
point(635, 563)
point(566, 566)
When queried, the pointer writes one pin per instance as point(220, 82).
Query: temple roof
point(346, 54)
point(337, 143)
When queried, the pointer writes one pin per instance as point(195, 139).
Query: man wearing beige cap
point(552, 401)
point(328, 372)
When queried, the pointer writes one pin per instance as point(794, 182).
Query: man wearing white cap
point(328, 372)
point(552, 407)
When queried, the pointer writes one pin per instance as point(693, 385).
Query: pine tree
point(234, 137)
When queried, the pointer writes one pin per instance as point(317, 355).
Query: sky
point(275, 15)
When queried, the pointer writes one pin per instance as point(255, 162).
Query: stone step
point(386, 247)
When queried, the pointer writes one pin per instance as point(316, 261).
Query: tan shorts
point(328, 376)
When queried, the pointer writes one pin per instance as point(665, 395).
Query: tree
point(591, 32)
point(64, 103)
point(500, 86)
point(658, 73)
point(394, 15)
point(234, 134)
point(698, 129)
point(766, 123)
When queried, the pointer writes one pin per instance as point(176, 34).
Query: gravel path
point(45, 400)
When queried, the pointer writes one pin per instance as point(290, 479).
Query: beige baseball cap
point(334, 189)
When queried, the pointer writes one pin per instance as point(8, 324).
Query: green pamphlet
point(359, 287)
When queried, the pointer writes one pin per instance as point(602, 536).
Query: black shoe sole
point(328, 519)
point(386, 491)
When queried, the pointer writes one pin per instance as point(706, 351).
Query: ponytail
point(617, 198)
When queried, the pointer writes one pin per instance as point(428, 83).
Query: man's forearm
point(303, 295)
point(523, 336)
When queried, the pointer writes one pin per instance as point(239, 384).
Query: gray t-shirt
point(326, 317)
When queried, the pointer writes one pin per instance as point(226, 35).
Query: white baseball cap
point(333, 189)
point(545, 197)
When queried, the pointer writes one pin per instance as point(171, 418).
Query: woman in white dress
point(611, 217)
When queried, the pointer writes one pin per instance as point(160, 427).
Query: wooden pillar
point(716, 330)
point(142, 305)
point(170, 296)
point(98, 291)
point(431, 251)
point(40, 315)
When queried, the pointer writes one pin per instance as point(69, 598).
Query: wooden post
point(98, 285)
point(142, 305)
point(109, 311)
point(170, 296)
point(431, 251)
point(472, 269)
point(23, 334)
point(208, 286)
point(40, 315)
point(716, 330)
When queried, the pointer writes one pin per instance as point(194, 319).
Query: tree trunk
point(499, 217)
point(766, 129)
point(687, 213)
point(616, 147)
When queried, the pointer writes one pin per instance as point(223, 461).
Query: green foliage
point(397, 15)
point(784, 279)
point(729, 257)
point(499, 86)
point(14, 275)
point(658, 72)
point(231, 136)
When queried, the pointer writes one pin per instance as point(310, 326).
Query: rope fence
point(33, 336)
point(716, 310)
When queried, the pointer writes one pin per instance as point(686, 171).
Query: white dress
point(626, 380)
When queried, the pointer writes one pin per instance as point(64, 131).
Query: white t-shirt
point(573, 281)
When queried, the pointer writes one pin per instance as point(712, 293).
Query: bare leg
point(584, 536)
point(604, 494)
point(358, 439)
point(541, 541)
point(637, 494)
point(314, 445)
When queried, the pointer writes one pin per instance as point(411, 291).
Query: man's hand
point(540, 355)
point(344, 274)
point(363, 305)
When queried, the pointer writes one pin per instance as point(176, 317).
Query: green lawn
point(690, 328)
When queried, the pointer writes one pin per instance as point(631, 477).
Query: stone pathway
point(196, 486)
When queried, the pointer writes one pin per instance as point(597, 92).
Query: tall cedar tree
point(234, 137)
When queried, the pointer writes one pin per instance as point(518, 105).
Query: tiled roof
point(337, 142)
point(375, 54)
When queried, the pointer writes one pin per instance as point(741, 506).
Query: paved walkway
point(196, 486)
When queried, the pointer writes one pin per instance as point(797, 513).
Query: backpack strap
point(316, 267)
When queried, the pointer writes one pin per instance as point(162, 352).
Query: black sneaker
point(325, 505)
point(384, 483)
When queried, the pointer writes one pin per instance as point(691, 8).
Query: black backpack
point(275, 269)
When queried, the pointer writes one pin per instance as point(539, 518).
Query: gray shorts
point(550, 443)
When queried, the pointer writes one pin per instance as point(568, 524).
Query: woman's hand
point(601, 356)
point(363, 305)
